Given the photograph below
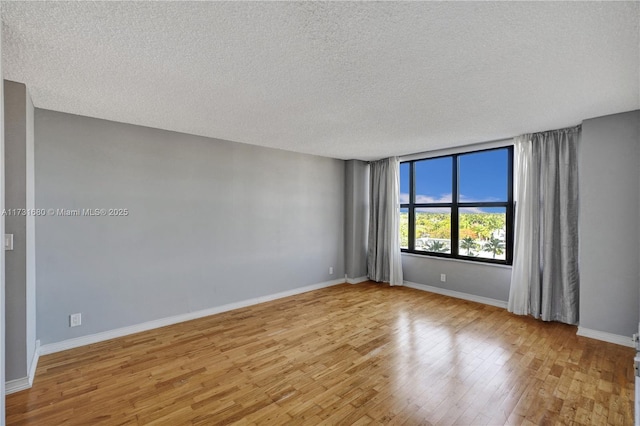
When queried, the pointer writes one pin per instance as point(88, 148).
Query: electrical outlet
point(8, 241)
point(75, 320)
point(443, 277)
point(330, 270)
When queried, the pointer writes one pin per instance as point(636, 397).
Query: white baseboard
point(356, 280)
point(457, 294)
point(50, 348)
point(23, 383)
point(606, 337)
point(17, 385)
point(34, 363)
point(584, 332)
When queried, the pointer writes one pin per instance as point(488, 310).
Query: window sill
point(448, 259)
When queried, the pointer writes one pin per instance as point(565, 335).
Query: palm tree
point(468, 244)
point(437, 247)
point(494, 246)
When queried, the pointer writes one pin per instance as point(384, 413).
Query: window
point(459, 206)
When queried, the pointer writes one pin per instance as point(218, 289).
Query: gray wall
point(20, 292)
point(356, 218)
point(477, 279)
point(609, 223)
point(2, 252)
point(210, 222)
point(31, 233)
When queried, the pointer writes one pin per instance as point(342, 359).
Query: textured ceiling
point(340, 79)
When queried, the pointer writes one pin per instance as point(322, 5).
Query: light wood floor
point(349, 354)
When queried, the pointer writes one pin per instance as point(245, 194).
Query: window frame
point(455, 205)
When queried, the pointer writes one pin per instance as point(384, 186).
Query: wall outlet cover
point(8, 241)
point(75, 320)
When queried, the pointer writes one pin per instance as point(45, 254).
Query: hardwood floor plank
point(348, 354)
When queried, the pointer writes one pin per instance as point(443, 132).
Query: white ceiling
point(340, 79)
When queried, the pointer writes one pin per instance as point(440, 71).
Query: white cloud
point(465, 199)
point(472, 210)
point(424, 199)
point(444, 198)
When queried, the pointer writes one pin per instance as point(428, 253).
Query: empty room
point(411, 213)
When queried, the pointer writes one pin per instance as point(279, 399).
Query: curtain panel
point(545, 279)
point(384, 263)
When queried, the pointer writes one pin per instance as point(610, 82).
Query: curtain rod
point(496, 143)
point(459, 148)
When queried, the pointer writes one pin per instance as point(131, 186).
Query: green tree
point(468, 244)
point(437, 247)
point(494, 246)
point(404, 229)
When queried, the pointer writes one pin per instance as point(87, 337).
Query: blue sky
point(483, 177)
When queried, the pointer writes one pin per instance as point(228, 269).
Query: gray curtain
point(545, 280)
point(384, 263)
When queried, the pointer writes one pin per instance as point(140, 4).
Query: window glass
point(483, 232)
point(433, 180)
point(404, 182)
point(461, 206)
point(483, 176)
point(404, 228)
point(433, 230)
